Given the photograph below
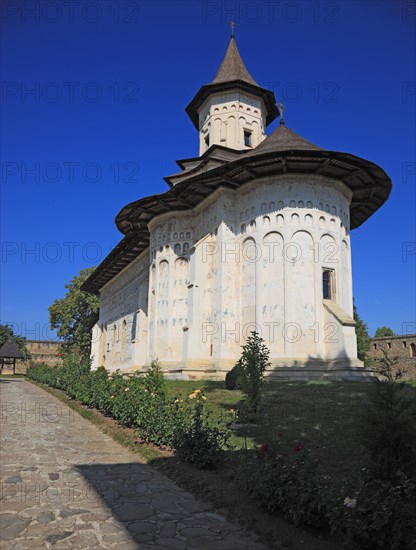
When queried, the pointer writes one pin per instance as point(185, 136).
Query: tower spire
point(232, 66)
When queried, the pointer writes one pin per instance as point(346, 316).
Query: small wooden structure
point(9, 352)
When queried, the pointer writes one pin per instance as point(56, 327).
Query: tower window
point(207, 140)
point(328, 284)
point(247, 138)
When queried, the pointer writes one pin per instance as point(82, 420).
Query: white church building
point(253, 235)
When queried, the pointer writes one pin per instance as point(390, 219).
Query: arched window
point(113, 347)
point(328, 284)
point(412, 350)
point(103, 340)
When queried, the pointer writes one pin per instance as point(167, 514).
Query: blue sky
point(93, 99)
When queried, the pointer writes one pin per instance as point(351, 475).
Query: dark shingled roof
point(283, 139)
point(9, 350)
point(232, 75)
point(232, 67)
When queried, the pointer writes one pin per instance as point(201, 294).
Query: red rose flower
point(263, 450)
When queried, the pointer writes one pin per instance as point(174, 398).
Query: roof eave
point(370, 185)
point(357, 165)
point(208, 152)
point(205, 91)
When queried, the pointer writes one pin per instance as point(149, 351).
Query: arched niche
point(273, 291)
point(302, 294)
point(249, 253)
point(328, 251)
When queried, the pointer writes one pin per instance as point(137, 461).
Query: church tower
point(233, 110)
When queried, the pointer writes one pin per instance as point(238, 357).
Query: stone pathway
point(66, 485)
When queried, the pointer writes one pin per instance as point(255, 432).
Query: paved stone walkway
point(66, 485)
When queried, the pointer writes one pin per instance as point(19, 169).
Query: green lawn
point(325, 416)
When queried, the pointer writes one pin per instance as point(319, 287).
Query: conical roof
point(232, 67)
point(283, 139)
point(232, 75)
point(9, 349)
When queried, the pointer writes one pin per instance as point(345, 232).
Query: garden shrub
point(368, 513)
point(126, 396)
point(232, 378)
point(381, 515)
point(293, 488)
point(158, 419)
point(71, 376)
point(251, 366)
point(195, 440)
point(154, 381)
point(100, 394)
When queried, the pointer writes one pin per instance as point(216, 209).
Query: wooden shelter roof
point(10, 350)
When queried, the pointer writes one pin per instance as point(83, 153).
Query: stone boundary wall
point(41, 351)
point(404, 347)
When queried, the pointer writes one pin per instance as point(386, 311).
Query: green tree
point(251, 367)
point(383, 331)
point(6, 331)
point(363, 338)
point(75, 315)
